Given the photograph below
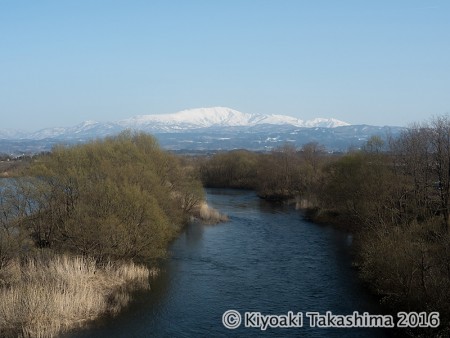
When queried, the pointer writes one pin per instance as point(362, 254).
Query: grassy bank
point(43, 296)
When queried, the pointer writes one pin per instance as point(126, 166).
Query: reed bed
point(41, 297)
point(210, 215)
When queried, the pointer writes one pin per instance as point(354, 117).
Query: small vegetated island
point(81, 227)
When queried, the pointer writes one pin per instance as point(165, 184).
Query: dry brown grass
point(210, 215)
point(43, 296)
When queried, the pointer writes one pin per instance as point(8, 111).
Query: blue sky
point(374, 62)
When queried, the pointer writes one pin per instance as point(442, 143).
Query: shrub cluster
point(122, 197)
point(282, 174)
point(73, 226)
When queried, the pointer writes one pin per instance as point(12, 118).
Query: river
point(267, 258)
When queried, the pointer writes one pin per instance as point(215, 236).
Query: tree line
point(281, 174)
point(120, 198)
point(394, 195)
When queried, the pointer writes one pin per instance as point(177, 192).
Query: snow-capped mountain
point(219, 117)
point(324, 123)
point(186, 120)
point(205, 129)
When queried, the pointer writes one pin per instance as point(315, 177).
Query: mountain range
point(186, 120)
point(203, 129)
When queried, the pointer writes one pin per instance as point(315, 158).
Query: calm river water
point(266, 259)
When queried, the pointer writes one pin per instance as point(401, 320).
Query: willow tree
point(120, 197)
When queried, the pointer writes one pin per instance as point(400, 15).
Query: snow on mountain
point(86, 129)
point(185, 120)
point(220, 117)
point(324, 123)
point(6, 134)
point(196, 118)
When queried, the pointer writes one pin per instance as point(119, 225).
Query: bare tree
point(413, 160)
point(440, 142)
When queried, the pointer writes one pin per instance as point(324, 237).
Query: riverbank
point(48, 294)
point(120, 198)
point(401, 267)
point(45, 296)
point(332, 217)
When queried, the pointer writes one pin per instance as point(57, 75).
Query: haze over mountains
point(203, 129)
